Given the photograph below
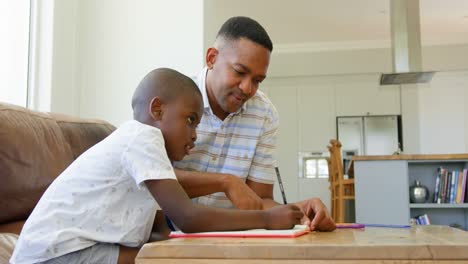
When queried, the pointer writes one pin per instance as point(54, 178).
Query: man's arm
point(198, 184)
point(264, 191)
point(316, 215)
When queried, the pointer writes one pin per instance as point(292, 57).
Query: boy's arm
point(198, 184)
point(160, 230)
point(190, 217)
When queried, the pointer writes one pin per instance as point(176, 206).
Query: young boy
point(102, 207)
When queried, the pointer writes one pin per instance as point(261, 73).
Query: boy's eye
point(191, 120)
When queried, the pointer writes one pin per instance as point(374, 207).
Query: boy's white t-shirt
point(100, 197)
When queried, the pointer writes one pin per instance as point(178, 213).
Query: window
point(14, 51)
point(313, 165)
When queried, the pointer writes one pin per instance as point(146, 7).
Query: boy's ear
point(211, 55)
point(156, 108)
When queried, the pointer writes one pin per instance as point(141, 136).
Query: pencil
point(281, 185)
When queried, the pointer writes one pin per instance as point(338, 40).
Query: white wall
point(308, 107)
point(309, 93)
point(444, 113)
point(64, 89)
point(14, 35)
point(41, 55)
point(120, 41)
point(102, 49)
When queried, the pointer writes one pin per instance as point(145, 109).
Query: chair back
point(341, 189)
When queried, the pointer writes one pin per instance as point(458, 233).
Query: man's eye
point(238, 72)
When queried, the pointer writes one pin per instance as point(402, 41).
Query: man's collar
point(202, 86)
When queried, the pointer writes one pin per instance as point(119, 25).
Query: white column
point(406, 49)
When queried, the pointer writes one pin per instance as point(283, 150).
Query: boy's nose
point(194, 135)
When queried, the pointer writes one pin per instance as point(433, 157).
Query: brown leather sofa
point(35, 148)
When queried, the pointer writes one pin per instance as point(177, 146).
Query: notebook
point(298, 230)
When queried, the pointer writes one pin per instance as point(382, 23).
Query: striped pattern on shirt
point(242, 144)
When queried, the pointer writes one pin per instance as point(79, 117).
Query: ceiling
point(336, 22)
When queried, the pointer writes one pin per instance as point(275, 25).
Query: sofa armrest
point(12, 227)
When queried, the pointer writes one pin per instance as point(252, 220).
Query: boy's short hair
point(245, 27)
point(165, 83)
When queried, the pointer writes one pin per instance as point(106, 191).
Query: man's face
point(178, 123)
point(236, 71)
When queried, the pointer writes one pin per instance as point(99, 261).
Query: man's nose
point(246, 86)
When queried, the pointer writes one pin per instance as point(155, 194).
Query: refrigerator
point(369, 135)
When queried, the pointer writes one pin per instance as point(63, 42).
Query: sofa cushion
point(7, 244)
point(81, 134)
point(35, 148)
point(34, 152)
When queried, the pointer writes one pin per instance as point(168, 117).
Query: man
point(232, 163)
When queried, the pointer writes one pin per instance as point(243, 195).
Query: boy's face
point(178, 123)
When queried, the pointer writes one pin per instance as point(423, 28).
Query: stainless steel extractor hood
point(406, 77)
point(406, 45)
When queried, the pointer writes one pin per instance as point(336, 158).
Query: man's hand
point(241, 196)
point(316, 215)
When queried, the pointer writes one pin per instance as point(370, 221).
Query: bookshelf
point(382, 189)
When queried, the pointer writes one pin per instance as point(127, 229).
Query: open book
point(298, 230)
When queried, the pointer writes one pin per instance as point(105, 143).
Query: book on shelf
point(458, 186)
point(420, 220)
point(463, 195)
point(445, 180)
point(440, 172)
point(450, 186)
point(453, 182)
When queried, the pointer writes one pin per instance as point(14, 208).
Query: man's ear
point(211, 55)
point(156, 108)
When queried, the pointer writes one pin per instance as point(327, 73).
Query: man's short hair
point(244, 27)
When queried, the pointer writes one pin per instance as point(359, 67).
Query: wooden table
point(418, 244)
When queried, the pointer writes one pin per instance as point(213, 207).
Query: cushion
point(81, 134)
point(36, 148)
point(7, 245)
point(33, 153)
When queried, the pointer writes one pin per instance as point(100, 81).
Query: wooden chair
point(341, 189)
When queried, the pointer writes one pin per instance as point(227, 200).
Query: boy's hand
point(283, 217)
